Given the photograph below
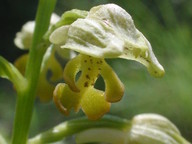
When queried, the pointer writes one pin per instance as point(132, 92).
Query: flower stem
point(71, 127)
point(26, 97)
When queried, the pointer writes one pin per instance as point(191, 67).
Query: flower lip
point(81, 93)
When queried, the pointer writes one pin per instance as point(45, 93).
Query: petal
point(51, 73)
point(93, 103)
point(23, 39)
point(136, 46)
point(20, 63)
point(65, 99)
point(70, 72)
point(109, 32)
point(105, 33)
point(59, 36)
point(156, 121)
point(147, 58)
point(54, 18)
point(44, 89)
point(154, 128)
point(93, 38)
point(114, 88)
point(121, 22)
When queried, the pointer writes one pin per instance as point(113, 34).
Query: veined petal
point(136, 46)
point(89, 37)
point(108, 31)
point(59, 36)
point(121, 22)
point(93, 103)
point(155, 121)
point(154, 128)
point(147, 58)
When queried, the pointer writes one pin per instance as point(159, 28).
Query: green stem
point(26, 97)
point(69, 128)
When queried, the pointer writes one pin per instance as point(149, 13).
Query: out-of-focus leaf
point(10, 72)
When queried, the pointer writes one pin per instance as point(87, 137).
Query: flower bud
point(154, 129)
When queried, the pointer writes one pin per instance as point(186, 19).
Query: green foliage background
point(168, 26)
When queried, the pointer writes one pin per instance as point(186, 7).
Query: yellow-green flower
point(107, 31)
point(23, 39)
point(52, 64)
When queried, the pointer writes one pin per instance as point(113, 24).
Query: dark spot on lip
point(87, 76)
point(126, 48)
point(99, 68)
point(85, 61)
point(86, 84)
point(92, 83)
point(99, 62)
point(89, 68)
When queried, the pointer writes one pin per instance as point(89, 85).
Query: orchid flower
point(107, 31)
point(53, 61)
point(144, 129)
point(23, 38)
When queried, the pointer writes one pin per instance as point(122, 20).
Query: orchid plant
point(80, 41)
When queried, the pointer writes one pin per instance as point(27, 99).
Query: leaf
point(8, 71)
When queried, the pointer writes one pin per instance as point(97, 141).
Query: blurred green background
point(167, 24)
